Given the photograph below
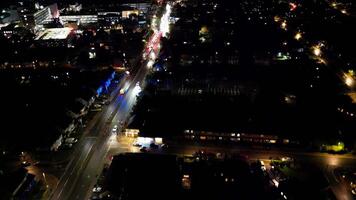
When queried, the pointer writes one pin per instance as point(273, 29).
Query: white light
point(152, 55)
point(137, 89)
point(150, 63)
point(298, 36)
point(276, 183)
point(164, 26)
point(317, 51)
point(349, 81)
point(92, 55)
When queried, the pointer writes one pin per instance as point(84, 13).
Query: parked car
point(143, 149)
point(153, 146)
point(97, 189)
point(66, 146)
point(97, 105)
point(136, 144)
point(71, 140)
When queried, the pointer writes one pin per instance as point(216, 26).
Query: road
point(89, 157)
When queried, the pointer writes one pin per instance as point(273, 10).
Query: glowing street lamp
point(317, 51)
point(349, 81)
point(284, 25)
point(298, 36)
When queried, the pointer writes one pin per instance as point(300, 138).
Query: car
point(96, 110)
point(66, 146)
point(104, 102)
point(153, 146)
point(97, 189)
point(97, 105)
point(122, 91)
point(105, 194)
point(143, 149)
point(136, 144)
point(71, 140)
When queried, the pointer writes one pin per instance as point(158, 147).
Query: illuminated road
point(89, 157)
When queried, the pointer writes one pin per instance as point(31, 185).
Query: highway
point(89, 157)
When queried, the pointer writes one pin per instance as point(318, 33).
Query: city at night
point(178, 99)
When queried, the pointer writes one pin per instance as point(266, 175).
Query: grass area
point(294, 173)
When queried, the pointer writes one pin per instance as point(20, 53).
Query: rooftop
point(54, 34)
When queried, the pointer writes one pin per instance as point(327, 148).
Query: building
point(141, 6)
point(41, 16)
point(126, 13)
point(8, 16)
point(54, 37)
point(109, 18)
point(79, 19)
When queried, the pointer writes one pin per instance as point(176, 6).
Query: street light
point(284, 25)
point(298, 36)
point(349, 81)
point(317, 51)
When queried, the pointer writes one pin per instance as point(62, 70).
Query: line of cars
point(68, 143)
point(100, 102)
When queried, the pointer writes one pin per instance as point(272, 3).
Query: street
point(88, 159)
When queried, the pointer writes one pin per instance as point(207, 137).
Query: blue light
point(107, 83)
point(99, 91)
